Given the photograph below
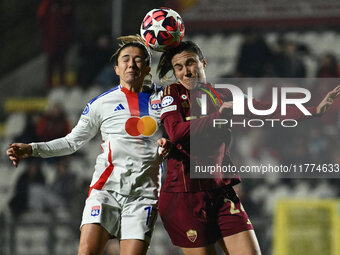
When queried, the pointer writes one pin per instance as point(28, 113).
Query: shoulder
point(97, 101)
point(172, 89)
point(170, 94)
point(157, 90)
point(108, 93)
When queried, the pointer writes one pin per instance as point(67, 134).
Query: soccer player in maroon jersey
point(197, 213)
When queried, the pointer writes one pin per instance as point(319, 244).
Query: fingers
point(337, 91)
point(12, 152)
point(13, 156)
point(165, 147)
point(328, 100)
point(9, 152)
point(14, 149)
point(15, 145)
point(228, 104)
point(226, 108)
point(164, 152)
point(15, 161)
point(161, 142)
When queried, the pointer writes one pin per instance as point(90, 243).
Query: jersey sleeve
point(173, 118)
point(86, 128)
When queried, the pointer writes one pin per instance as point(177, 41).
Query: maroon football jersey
point(183, 122)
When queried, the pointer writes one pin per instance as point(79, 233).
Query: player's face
point(132, 67)
point(188, 69)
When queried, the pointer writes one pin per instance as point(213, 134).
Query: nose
point(132, 64)
point(187, 72)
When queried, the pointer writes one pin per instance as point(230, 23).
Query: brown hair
point(164, 65)
point(135, 41)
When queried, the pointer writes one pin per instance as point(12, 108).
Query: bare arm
point(328, 100)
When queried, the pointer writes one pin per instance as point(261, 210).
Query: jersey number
point(233, 210)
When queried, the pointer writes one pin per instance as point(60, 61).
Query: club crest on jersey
point(155, 104)
point(167, 101)
point(95, 210)
point(192, 235)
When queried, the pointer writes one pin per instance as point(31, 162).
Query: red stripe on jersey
point(218, 96)
point(105, 175)
point(132, 99)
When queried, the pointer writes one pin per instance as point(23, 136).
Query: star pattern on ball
point(158, 27)
point(176, 35)
point(161, 29)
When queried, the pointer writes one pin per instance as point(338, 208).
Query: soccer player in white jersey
point(122, 201)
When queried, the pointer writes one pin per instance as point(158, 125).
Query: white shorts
point(124, 217)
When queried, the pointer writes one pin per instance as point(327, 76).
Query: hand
point(18, 151)
point(328, 100)
point(164, 147)
point(226, 108)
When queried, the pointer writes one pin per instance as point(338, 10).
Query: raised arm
point(328, 100)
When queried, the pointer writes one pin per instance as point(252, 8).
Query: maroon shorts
point(197, 219)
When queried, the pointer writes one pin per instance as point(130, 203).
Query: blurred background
point(55, 57)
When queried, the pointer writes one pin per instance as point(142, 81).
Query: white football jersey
point(130, 126)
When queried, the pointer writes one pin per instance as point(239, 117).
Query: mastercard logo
point(145, 126)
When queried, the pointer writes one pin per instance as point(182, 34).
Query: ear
point(116, 70)
point(204, 61)
point(148, 69)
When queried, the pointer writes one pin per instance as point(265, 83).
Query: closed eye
point(190, 61)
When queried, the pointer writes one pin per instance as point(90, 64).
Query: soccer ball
point(162, 28)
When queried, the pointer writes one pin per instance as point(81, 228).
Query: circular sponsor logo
point(145, 126)
point(167, 101)
point(184, 97)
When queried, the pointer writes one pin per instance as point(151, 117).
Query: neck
point(136, 88)
point(194, 83)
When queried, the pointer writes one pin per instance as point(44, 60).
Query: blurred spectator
point(94, 58)
point(317, 144)
point(107, 78)
point(56, 18)
point(254, 55)
point(64, 185)
point(287, 62)
point(32, 176)
point(29, 133)
point(53, 124)
point(296, 152)
point(328, 67)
